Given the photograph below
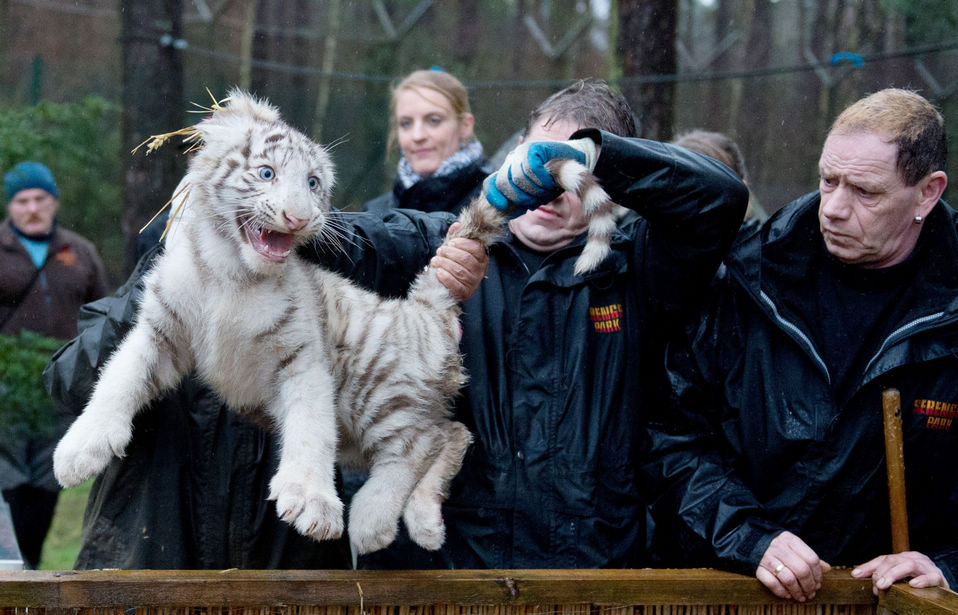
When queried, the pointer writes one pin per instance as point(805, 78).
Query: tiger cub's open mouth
point(274, 246)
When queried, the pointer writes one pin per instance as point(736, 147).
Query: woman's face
point(428, 130)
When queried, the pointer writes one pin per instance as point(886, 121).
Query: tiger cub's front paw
point(87, 447)
point(313, 511)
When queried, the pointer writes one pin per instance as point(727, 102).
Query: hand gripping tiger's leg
point(304, 485)
point(423, 512)
point(144, 365)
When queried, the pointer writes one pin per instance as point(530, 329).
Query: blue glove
point(524, 182)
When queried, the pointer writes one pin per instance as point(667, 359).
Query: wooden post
point(895, 465)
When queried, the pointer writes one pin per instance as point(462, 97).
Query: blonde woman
point(442, 164)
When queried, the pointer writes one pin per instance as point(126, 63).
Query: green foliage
point(23, 400)
point(62, 545)
point(80, 142)
point(927, 21)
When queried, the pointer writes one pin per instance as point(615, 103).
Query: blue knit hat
point(28, 175)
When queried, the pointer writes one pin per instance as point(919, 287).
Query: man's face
point(32, 211)
point(555, 224)
point(867, 213)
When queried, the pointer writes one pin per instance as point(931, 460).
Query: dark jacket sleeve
point(686, 468)
point(382, 253)
point(380, 205)
point(691, 208)
point(72, 371)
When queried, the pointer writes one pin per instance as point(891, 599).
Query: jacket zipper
point(797, 332)
point(901, 333)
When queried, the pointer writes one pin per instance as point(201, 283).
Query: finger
point(800, 584)
point(495, 198)
point(466, 251)
point(453, 228)
point(785, 577)
point(526, 188)
point(467, 265)
point(904, 567)
point(866, 569)
point(770, 581)
point(806, 568)
point(804, 562)
point(929, 580)
point(539, 154)
point(456, 288)
point(451, 267)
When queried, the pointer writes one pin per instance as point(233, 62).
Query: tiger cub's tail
point(484, 223)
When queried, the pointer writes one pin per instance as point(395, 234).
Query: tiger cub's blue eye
point(313, 183)
point(267, 173)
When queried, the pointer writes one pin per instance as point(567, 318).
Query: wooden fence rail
point(442, 592)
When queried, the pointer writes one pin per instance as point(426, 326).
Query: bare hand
point(791, 569)
point(460, 265)
point(886, 569)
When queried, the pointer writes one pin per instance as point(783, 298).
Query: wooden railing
point(442, 592)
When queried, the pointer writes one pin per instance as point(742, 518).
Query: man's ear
point(930, 189)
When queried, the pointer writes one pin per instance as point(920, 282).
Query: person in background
point(721, 147)
point(46, 274)
point(556, 393)
point(442, 165)
point(771, 447)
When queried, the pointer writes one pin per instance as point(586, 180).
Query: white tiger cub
point(334, 368)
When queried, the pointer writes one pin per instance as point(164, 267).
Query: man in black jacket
point(557, 361)
point(772, 444)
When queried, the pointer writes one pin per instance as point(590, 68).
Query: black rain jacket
point(756, 440)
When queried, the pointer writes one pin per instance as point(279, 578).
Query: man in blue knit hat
point(46, 274)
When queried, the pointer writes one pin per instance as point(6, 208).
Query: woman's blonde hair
point(425, 81)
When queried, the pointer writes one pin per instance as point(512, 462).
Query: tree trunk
point(246, 45)
point(760, 128)
point(152, 104)
point(5, 32)
point(718, 97)
point(647, 30)
point(324, 88)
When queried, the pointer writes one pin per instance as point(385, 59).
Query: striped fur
point(340, 373)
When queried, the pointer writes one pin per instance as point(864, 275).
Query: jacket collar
point(760, 255)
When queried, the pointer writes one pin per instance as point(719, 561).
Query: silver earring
point(918, 219)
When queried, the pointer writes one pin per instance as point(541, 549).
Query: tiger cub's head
point(262, 183)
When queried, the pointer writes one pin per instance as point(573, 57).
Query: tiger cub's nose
point(292, 222)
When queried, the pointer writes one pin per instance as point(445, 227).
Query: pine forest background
point(83, 81)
